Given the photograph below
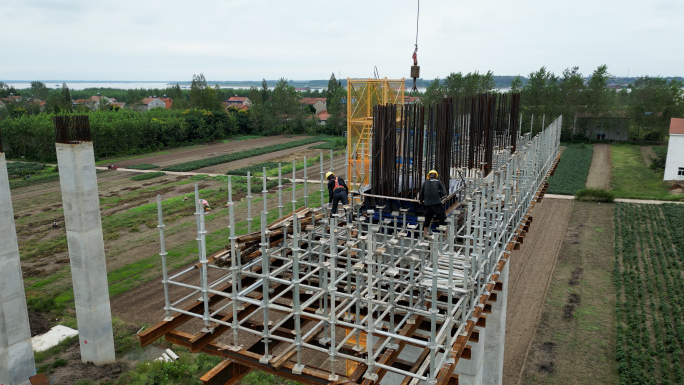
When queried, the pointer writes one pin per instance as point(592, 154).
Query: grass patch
point(630, 176)
point(573, 168)
point(595, 195)
point(43, 304)
point(148, 175)
point(197, 164)
point(53, 351)
point(185, 371)
point(143, 166)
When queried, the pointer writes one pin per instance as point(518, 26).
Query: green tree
point(286, 106)
point(65, 103)
point(597, 95)
point(572, 93)
point(540, 96)
point(516, 84)
point(39, 90)
point(265, 92)
point(333, 86)
point(653, 102)
point(337, 108)
point(434, 93)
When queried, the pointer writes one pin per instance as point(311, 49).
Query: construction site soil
point(37, 206)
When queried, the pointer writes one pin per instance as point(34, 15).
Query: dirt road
point(599, 172)
point(529, 278)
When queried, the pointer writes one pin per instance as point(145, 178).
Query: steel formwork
point(301, 296)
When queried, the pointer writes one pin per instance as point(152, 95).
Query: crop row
point(143, 166)
point(573, 168)
point(197, 164)
point(148, 175)
point(647, 273)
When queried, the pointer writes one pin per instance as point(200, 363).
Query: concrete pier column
point(16, 352)
point(470, 371)
point(86, 250)
point(496, 335)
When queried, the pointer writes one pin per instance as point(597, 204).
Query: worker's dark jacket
point(432, 191)
point(331, 187)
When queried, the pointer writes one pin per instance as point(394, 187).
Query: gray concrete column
point(16, 353)
point(86, 251)
point(496, 335)
point(470, 371)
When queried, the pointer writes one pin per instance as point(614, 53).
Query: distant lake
point(78, 86)
point(124, 85)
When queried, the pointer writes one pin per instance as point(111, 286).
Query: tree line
point(196, 116)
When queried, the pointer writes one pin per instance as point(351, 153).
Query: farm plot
point(572, 171)
point(187, 154)
point(649, 249)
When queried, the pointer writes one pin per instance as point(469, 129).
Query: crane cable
point(415, 70)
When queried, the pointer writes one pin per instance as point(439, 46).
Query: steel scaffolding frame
point(322, 283)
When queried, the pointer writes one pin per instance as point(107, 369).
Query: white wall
point(156, 103)
point(675, 157)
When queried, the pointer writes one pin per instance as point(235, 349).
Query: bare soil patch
point(599, 172)
point(574, 341)
point(182, 155)
point(75, 370)
point(648, 153)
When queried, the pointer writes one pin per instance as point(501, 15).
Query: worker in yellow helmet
point(431, 194)
point(337, 191)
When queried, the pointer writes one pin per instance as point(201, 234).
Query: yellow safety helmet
point(328, 174)
point(432, 172)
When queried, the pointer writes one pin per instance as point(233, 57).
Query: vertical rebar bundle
point(447, 137)
point(72, 129)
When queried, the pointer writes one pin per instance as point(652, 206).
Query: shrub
point(595, 195)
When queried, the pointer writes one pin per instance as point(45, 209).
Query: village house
point(674, 164)
point(151, 102)
point(610, 126)
point(317, 103)
point(323, 117)
point(238, 101)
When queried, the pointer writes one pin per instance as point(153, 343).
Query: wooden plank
point(225, 373)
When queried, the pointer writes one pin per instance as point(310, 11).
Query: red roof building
point(677, 126)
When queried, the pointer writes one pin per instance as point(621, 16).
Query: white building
point(674, 165)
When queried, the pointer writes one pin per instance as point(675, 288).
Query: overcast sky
point(306, 39)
